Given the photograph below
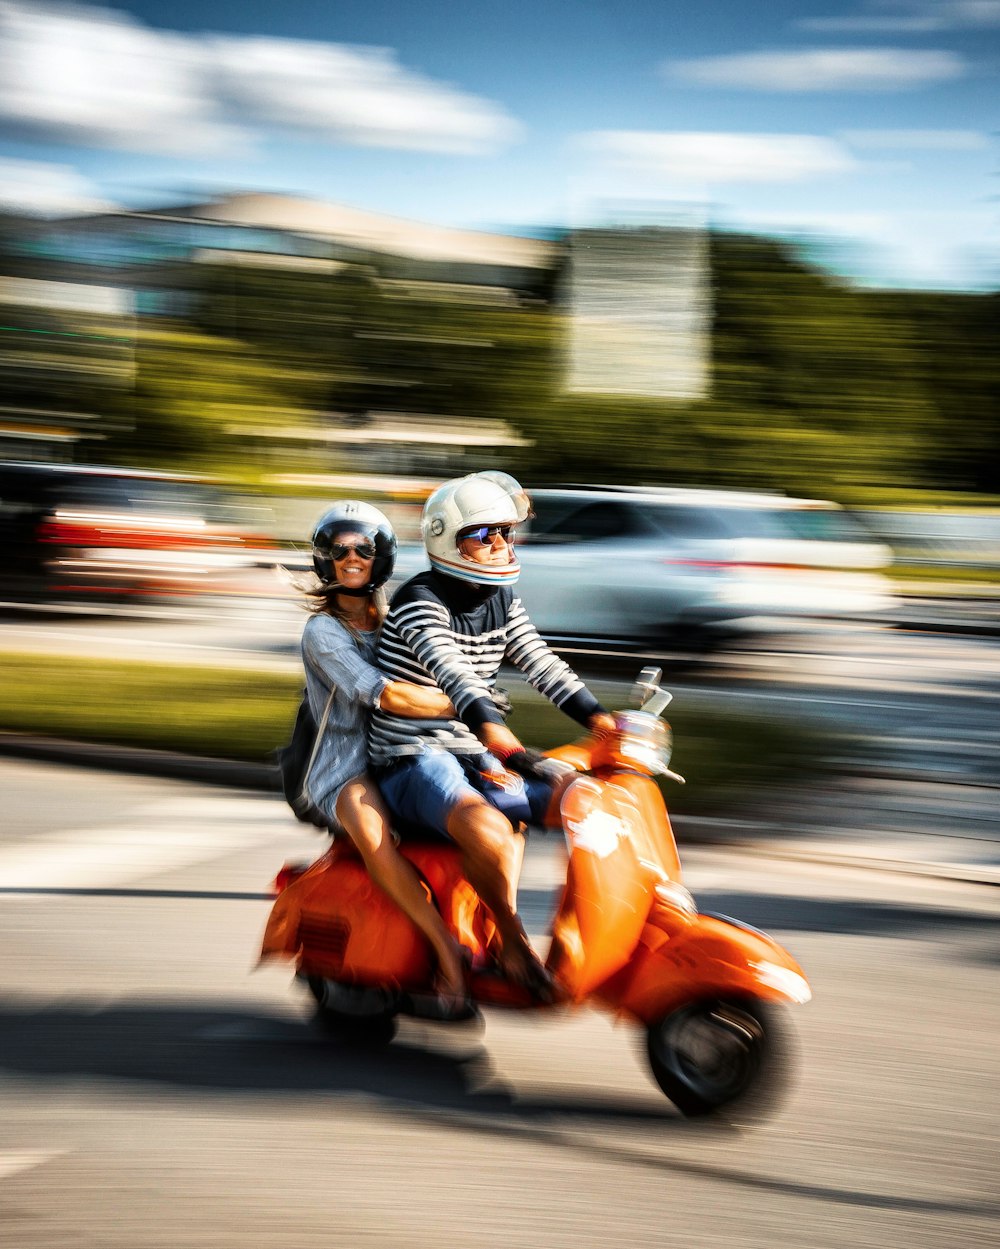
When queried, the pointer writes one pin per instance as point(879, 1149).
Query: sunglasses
point(486, 533)
point(340, 550)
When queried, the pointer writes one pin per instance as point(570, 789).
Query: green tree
point(810, 377)
point(200, 403)
point(956, 347)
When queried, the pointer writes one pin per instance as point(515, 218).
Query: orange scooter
point(709, 991)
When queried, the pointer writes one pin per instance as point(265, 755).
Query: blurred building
point(639, 309)
point(137, 250)
point(635, 299)
point(127, 265)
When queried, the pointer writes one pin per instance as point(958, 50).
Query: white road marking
point(161, 837)
point(13, 1161)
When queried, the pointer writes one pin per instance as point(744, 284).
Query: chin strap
point(363, 592)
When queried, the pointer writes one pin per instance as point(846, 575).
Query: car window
point(130, 494)
point(753, 522)
point(688, 522)
point(545, 513)
point(592, 522)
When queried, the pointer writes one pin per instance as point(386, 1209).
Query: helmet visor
point(514, 490)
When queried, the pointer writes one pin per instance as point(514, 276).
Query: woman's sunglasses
point(486, 533)
point(340, 550)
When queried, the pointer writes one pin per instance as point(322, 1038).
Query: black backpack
point(296, 759)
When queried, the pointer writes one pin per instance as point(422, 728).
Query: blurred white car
point(686, 567)
point(677, 566)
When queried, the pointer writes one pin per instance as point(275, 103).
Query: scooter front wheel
point(727, 1058)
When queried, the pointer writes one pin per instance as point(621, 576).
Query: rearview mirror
point(646, 684)
point(647, 694)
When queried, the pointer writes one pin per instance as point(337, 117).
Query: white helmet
point(489, 498)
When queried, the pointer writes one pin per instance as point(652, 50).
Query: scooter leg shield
point(606, 899)
point(711, 956)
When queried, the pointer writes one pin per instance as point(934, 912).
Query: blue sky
point(869, 124)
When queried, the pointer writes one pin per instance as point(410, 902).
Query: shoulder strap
point(319, 735)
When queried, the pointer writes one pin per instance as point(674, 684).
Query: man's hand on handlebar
point(601, 724)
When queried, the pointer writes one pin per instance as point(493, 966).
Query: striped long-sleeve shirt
point(441, 632)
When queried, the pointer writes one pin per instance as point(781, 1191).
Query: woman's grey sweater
point(335, 658)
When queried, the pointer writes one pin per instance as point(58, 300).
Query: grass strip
point(225, 713)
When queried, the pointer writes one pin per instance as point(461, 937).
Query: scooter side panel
point(460, 906)
point(338, 924)
point(708, 956)
point(350, 931)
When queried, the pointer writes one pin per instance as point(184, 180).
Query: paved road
point(158, 1092)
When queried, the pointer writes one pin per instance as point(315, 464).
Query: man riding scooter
point(470, 778)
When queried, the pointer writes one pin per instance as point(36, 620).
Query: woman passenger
point(354, 550)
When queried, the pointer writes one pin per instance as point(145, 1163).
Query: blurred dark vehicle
point(74, 533)
point(689, 567)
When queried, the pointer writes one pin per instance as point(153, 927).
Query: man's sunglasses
point(486, 533)
point(340, 550)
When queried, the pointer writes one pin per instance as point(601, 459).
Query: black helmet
point(352, 516)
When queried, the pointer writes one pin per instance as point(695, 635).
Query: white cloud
point(35, 187)
point(911, 17)
point(96, 77)
point(821, 69)
point(918, 140)
point(354, 95)
point(712, 158)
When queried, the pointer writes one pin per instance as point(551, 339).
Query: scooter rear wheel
point(359, 1031)
point(726, 1058)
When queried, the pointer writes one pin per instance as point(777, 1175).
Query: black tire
point(727, 1058)
point(358, 1031)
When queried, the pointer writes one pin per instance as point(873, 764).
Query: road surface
point(160, 1092)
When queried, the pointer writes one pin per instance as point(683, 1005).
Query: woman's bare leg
point(363, 814)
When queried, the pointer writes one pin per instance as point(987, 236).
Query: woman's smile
point(353, 571)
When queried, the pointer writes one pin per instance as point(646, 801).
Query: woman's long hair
point(322, 599)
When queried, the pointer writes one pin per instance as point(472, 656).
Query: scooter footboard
point(713, 956)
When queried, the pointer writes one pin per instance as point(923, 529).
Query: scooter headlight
point(645, 741)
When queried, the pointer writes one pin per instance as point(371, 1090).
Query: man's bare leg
point(492, 854)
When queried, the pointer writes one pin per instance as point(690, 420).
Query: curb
point(142, 761)
point(264, 777)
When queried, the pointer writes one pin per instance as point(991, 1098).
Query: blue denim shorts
point(422, 791)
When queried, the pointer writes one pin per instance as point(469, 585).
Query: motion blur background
point(719, 284)
point(729, 430)
point(735, 424)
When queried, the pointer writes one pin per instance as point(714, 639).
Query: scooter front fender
point(707, 956)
